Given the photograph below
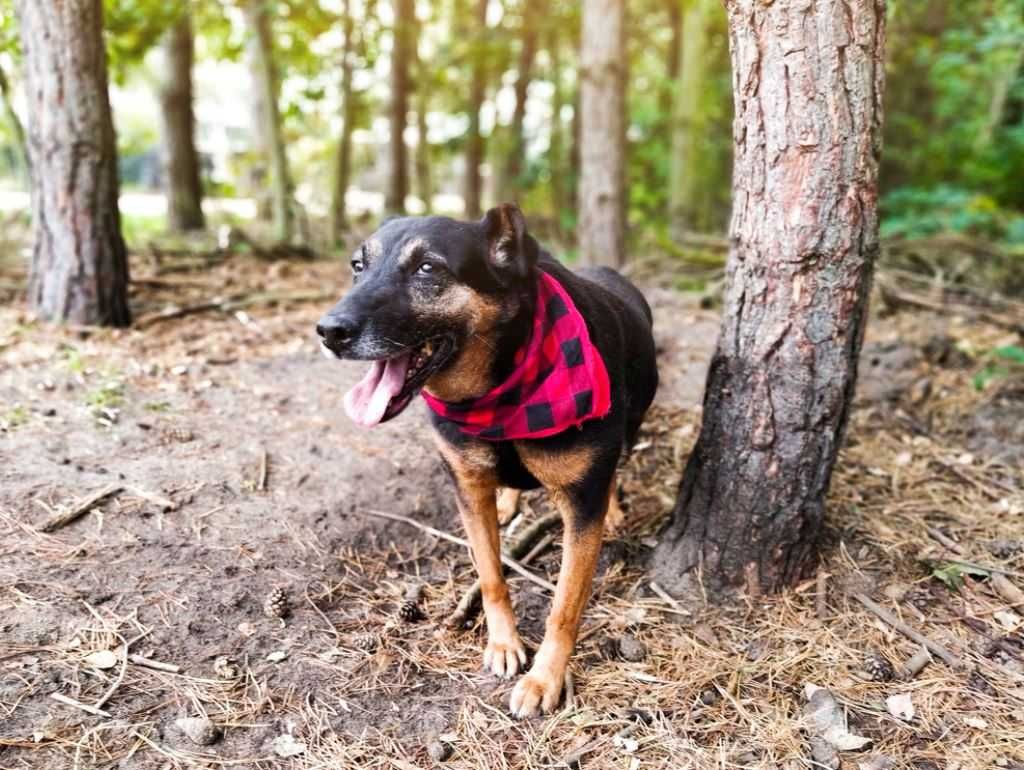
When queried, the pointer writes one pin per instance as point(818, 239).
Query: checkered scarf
point(559, 379)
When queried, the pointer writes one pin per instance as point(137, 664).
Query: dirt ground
point(232, 474)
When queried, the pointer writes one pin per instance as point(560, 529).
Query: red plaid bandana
point(559, 379)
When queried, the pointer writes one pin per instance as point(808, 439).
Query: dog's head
point(422, 289)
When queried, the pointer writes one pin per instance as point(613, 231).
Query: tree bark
point(343, 155)
point(512, 182)
point(601, 230)
point(674, 9)
point(265, 82)
point(79, 269)
point(687, 129)
point(401, 60)
point(424, 177)
point(472, 183)
point(181, 159)
point(808, 78)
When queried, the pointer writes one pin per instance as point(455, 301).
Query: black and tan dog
point(444, 306)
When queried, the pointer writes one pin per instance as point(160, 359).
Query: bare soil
point(234, 419)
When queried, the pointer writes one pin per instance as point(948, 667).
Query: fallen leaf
point(877, 762)
point(286, 746)
point(277, 656)
point(1007, 619)
point(825, 718)
point(103, 659)
point(900, 706)
point(976, 722)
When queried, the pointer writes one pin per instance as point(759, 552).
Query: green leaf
point(952, 573)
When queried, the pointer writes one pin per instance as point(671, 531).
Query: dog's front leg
point(505, 652)
point(583, 515)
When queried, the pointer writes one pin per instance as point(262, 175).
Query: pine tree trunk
point(601, 230)
point(265, 81)
point(401, 60)
point(473, 184)
point(687, 120)
point(79, 265)
point(512, 182)
point(674, 10)
point(808, 78)
point(181, 159)
point(343, 154)
point(556, 144)
point(424, 178)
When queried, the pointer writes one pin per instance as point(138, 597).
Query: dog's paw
point(539, 690)
point(505, 655)
point(508, 504)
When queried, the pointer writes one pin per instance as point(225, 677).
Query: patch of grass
point(14, 417)
point(140, 228)
point(158, 407)
point(108, 395)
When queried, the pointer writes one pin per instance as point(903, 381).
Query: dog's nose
point(337, 330)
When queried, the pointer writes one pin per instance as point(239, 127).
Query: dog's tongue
point(367, 402)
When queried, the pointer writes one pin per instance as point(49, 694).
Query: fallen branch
point(157, 665)
point(79, 510)
point(934, 647)
point(67, 701)
point(915, 664)
point(233, 303)
point(511, 563)
point(666, 597)
point(525, 549)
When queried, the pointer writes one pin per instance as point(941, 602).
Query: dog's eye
point(426, 269)
point(357, 266)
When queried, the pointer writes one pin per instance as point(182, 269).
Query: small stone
point(225, 668)
point(200, 730)
point(439, 751)
point(632, 649)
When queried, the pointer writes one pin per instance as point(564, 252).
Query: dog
point(534, 375)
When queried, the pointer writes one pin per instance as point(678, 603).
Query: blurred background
point(491, 115)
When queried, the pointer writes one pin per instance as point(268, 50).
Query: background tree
point(79, 263)
point(402, 56)
point(343, 154)
point(601, 230)
point(472, 190)
point(181, 158)
point(511, 182)
point(265, 79)
point(804, 238)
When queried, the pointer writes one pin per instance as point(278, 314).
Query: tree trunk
point(808, 78)
point(181, 159)
point(556, 144)
point(265, 81)
point(674, 8)
point(687, 120)
point(343, 155)
point(601, 230)
point(424, 178)
point(79, 267)
point(512, 182)
point(473, 184)
point(401, 59)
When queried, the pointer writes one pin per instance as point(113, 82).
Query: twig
point(913, 666)
point(170, 668)
point(821, 595)
point(572, 761)
point(666, 597)
point(232, 303)
point(1006, 589)
point(506, 560)
point(466, 607)
point(948, 542)
point(67, 701)
point(165, 503)
point(120, 676)
point(261, 479)
point(570, 691)
point(934, 647)
point(75, 512)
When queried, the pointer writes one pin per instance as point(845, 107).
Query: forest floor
point(228, 470)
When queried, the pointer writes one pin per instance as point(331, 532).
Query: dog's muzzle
point(337, 332)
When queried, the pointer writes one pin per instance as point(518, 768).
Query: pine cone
point(410, 612)
point(276, 605)
point(877, 667)
point(366, 642)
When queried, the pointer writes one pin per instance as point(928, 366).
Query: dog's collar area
point(559, 380)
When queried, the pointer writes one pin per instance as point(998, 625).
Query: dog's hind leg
point(615, 519)
point(508, 504)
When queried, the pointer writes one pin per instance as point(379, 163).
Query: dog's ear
point(511, 250)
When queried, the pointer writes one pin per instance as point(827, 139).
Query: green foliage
point(999, 363)
point(952, 573)
point(133, 27)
